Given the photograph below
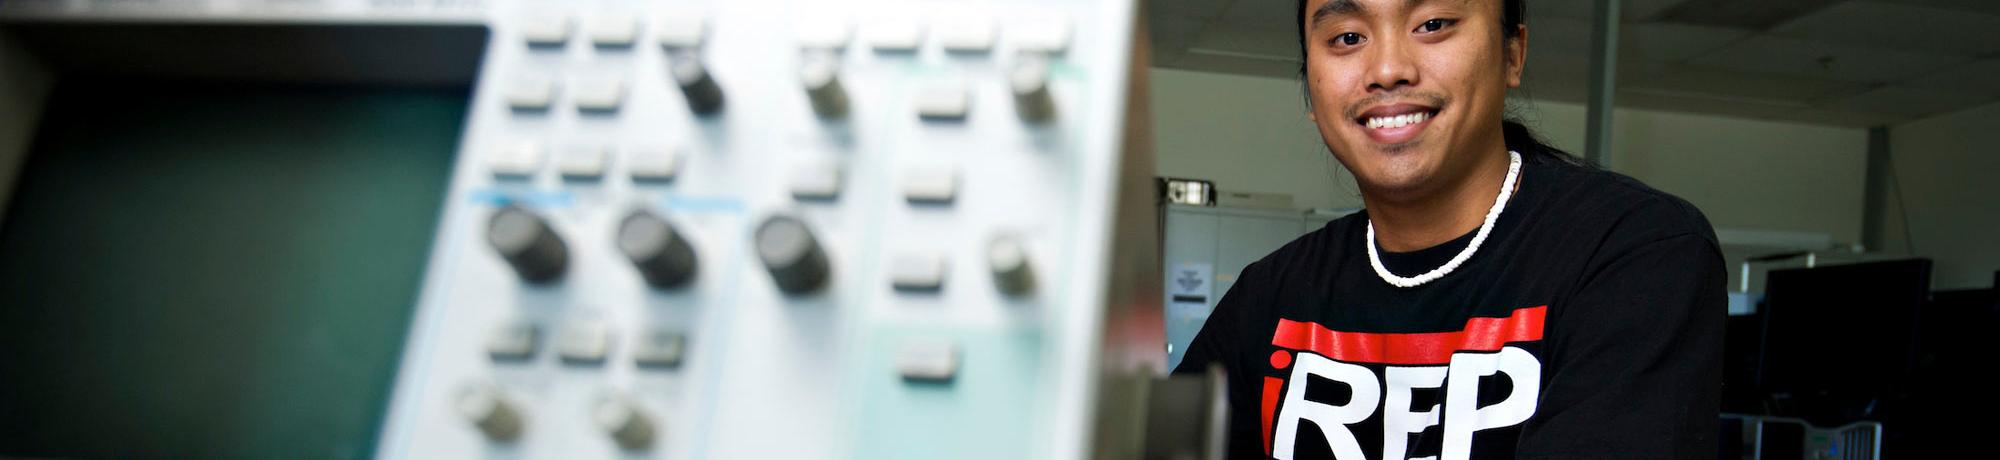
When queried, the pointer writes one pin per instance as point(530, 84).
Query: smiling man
point(1496, 299)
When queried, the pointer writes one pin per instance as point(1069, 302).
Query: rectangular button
point(681, 31)
point(660, 348)
point(928, 361)
point(583, 163)
point(966, 35)
point(1049, 35)
point(585, 342)
point(612, 31)
point(656, 164)
point(545, 30)
point(944, 101)
point(818, 181)
point(917, 271)
point(518, 160)
point(514, 341)
point(599, 95)
point(900, 36)
point(930, 185)
point(530, 94)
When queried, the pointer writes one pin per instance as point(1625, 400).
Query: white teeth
point(1397, 121)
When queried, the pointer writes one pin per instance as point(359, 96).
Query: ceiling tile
point(1809, 59)
point(1838, 117)
point(1205, 61)
point(1740, 86)
point(1696, 103)
point(1974, 6)
point(1979, 78)
point(1647, 10)
point(1914, 28)
point(1270, 14)
point(1171, 37)
point(1584, 10)
point(1758, 14)
point(1674, 42)
point(1544, 10)
point(1185, 9)
point(1266, 41)
point(1905, 101)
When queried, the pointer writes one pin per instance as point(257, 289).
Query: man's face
point(1409, 93)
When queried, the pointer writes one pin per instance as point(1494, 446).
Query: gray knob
point(821, 75)
point(488, 409)
point(1030, 81)
point(625, 421)
point(662, 256)
point(791, 254)
point(527, 243)
point(1009, 261)
point(704, 97)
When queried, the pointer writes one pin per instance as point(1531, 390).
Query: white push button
point(900, 36)
point(546, 30)
point(660, 348)
point(654, 163)
point(703, 94)
point(816, 181)
point(489, 410)
point(681, 32)
point(917, 271)
point(516, 160)
point(514, 341)
point(1029, 80)
point(625, 420)
point(820, 72)
point(612, 31)
point(966, 35)
point(530, 94)
point(944, 101)
point(1047, 35)
point(583, 163)
point(1007, 258)
point(585, 342)
point(928, 361)
point(599, 95)
point(930, 185)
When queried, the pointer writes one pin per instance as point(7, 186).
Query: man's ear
point(1517, 55)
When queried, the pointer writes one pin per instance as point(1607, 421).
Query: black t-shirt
point(1588, 325)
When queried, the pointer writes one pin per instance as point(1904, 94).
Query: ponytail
point(1520, 139)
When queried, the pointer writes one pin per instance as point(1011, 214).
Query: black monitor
point(1839, 339)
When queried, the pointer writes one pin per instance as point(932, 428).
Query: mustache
point(1424, 98)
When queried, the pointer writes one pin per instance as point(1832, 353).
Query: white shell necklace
point(1486, 228)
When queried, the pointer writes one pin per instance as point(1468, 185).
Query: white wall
point(1247, 134)
point(1251, 134)
point(1948, 171)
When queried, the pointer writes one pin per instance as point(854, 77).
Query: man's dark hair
point(1518, 137)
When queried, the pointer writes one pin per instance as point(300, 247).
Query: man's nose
point(1391, 66)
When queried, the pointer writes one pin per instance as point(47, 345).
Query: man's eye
point(1434, 25)
point(1346, 39)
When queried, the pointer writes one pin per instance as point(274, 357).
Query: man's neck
point(1438, 215)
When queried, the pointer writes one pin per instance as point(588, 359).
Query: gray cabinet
point(1206, 247)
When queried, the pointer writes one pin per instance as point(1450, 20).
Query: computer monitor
point(1838, 339)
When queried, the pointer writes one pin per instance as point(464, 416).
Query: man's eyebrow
point(1346, 7)
point(1334, 7)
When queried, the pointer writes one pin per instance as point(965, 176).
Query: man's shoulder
point(1622, 204)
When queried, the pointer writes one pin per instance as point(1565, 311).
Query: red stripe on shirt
point(1431, 348)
